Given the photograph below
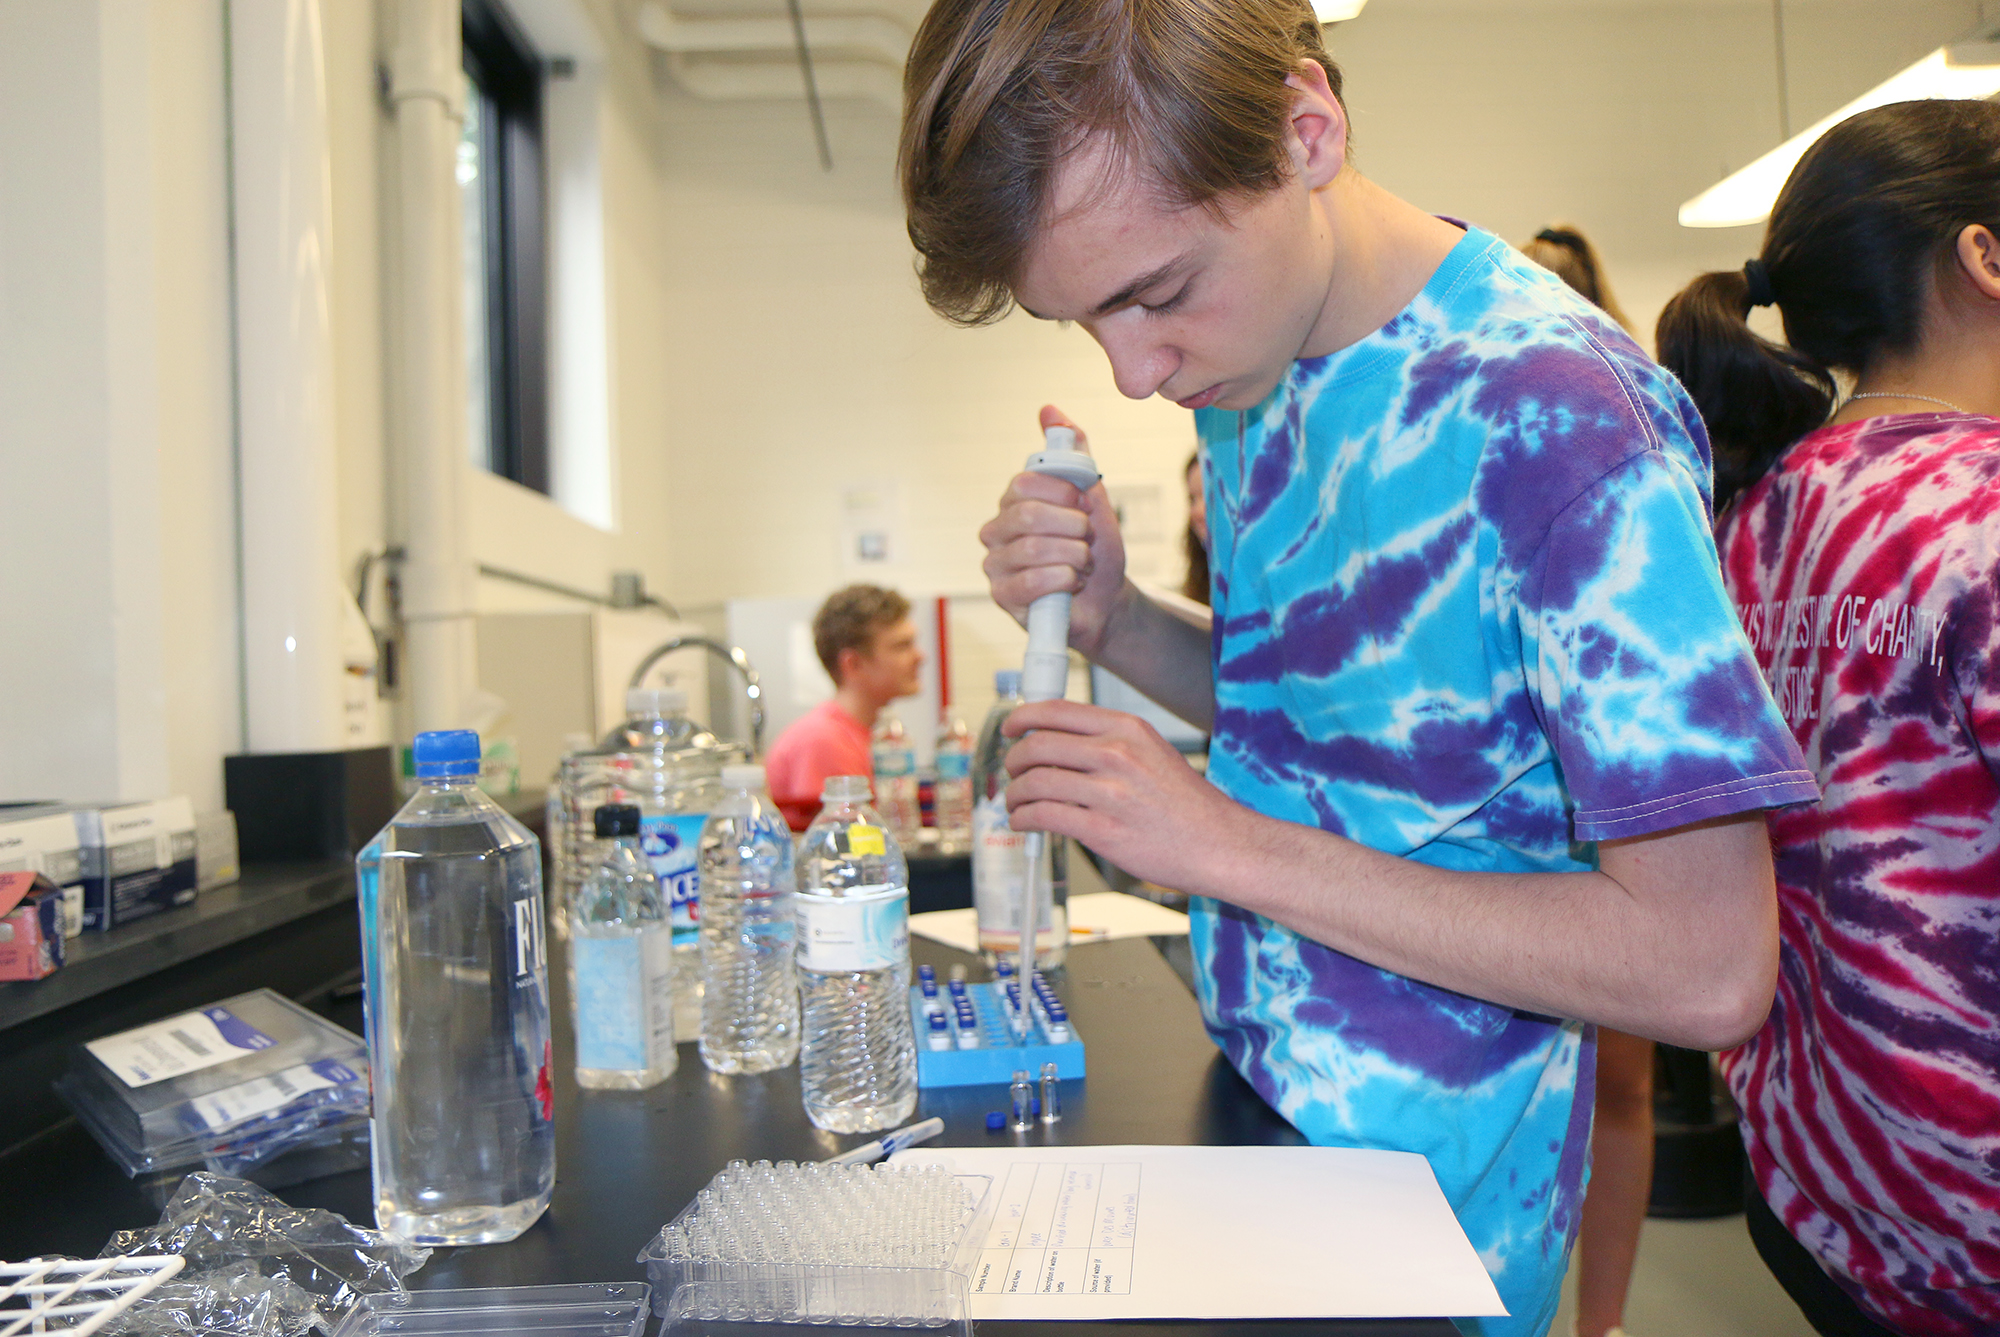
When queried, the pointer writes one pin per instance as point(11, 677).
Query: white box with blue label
point(138, 859)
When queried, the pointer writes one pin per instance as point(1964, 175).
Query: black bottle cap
point(618, 819)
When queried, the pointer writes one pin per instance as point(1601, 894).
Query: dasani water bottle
point(858, 1060)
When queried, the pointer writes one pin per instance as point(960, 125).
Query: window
point(500, 182)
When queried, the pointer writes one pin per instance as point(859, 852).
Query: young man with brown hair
point(868, 645)
point(1488, 747)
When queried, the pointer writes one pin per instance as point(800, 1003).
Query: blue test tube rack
point(997, 1056)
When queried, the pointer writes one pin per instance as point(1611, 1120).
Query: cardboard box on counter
point(31, 935)
point(138, 859)
point(41, 838)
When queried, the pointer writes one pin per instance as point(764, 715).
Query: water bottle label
point(530, 951)
point(178, 1045)
point(892, 762)
point(672, 845)
point(954, 765)
point(865, 839)
point(624, 1000)
point(999, 855)
point(868, 930)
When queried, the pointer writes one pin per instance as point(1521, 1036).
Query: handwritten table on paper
point(1219, 1232)
point(1062, 1228)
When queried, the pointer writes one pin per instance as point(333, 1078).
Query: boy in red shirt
point(868, 643)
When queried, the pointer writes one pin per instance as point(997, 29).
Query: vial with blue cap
point(455, 963)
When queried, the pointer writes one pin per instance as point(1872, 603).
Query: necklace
point(1884, 394)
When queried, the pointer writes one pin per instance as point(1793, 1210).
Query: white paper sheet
point(1217, 1232)
point(1097, 916)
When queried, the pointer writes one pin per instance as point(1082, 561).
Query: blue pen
point(889, 1143)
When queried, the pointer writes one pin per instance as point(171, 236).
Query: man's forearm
point(1163, 653)
point(1676, 940)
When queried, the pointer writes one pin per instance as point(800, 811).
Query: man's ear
point(1318, 126)
point(845, 661)
point(1979, 258)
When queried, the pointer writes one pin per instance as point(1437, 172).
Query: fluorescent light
point(1337, 11)
point(1969, 70)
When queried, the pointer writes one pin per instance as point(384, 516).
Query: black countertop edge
point(269, 895)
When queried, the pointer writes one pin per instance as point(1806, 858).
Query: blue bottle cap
point(937, 1021)
point(926, 972)
point(995, 1121)
point(1007, 682)
point(929, 987)
point(447, 752)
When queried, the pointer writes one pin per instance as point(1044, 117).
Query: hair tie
point(1757, 280)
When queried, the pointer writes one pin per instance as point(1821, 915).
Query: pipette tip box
point(997, 1054)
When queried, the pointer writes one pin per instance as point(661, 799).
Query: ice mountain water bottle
point(621, 964)
point(750, 991)
point(453, 955)
point(858, 1054)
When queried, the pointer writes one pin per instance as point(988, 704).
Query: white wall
point(83, 710)
point(1609, 113)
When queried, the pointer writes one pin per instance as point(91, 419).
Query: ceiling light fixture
point(1337, 11)
point(1968, 70)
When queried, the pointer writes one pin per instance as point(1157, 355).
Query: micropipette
point(1045, 677)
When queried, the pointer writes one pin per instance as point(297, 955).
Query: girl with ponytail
point(1861, 542)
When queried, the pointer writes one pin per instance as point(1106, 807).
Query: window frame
point(506, 76)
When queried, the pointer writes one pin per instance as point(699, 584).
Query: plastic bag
point(257, 1267)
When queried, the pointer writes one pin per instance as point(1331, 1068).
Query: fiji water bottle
point(458, 1010)
point(896, 781)
point(858, 1060)
point(1000, 855)
point(750, 991)
point(953, 791)
point(621, 964)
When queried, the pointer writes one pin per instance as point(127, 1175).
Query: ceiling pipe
point(861, 36)
point(427, 382)
point(771, 80)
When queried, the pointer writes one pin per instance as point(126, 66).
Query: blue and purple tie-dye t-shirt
point(1467, 611)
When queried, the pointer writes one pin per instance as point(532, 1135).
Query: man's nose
point(1139, 365)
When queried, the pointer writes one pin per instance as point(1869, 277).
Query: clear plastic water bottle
point(621, 964)
point(999, 853)
point(750, 990)
point(952, 803)
point(667, 765)
point(896, 781)
point(453, 955)
point(858, 1060)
